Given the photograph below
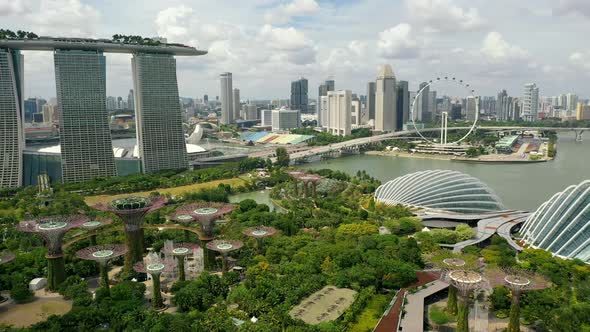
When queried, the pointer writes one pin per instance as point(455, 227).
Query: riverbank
point(409, 155)
point(492, 158)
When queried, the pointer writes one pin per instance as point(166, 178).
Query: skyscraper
point(227, 104)
point(130, 100)
point(323, 91)
point(323, 114)
point(530, 102)
point(339, 108)
point(236, 100)
point(471, 111)
point(299, 99)
point(504, 107)
point(12, 140)
point(85, 136)
point(356, 111)
point(385, 100)
point(572, 102)
point(206, 99)
point(403, 104)
point(158, 115)
point(370, 101)
point(422, 114)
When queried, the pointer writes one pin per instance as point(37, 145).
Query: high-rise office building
point(370, 114)
point(251, 112)
point(266, 118)
point(130, 100)
point(285, 120)
point(385, 100)
point(323, 91)
point(583, 112)
point(299, 98)
point(432, 105)
point(158, 115)
point(205, 99)
point(356, 111)
point(530, 102)
point(236, 100)
point(12, 141)
point(227, 104)
point(323, 114)
point(403, 104)
point(85, 136)
point(571, 102)
point(30, 109)
point(421, 110)
point(339, 109)
point(49, 113)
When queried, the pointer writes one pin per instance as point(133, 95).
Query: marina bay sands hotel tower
point(80, 75)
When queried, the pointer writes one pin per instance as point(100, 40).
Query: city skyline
point(321, 40)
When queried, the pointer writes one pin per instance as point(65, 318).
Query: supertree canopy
point(53, 229)
point(154, 265)
point(465, 281)
point(447, 262)
point(205, 213)
point(181, 251)
point(102, 254)
point(224, 247)
point(259, 233)
point(518, 281)
point(96, 224)
point(132, 211)
point(5, 258)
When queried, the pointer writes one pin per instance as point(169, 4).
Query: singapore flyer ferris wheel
point(472, 109)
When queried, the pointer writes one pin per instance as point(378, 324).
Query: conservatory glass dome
point(562, 224)
point(446, 190)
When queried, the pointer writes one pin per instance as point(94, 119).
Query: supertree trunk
point(156, 296)
point(514, 321)
point(208, 255)
point(224, 264)
point(181, 275)
point(104, 276)
point(56, 272)
point(187, 236)
point(134, 240)
point(452, 300)
point(463, 314)
point(93, 240)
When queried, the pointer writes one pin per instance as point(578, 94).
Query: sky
point(493, 45)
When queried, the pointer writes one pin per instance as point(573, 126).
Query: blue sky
point(267, 43)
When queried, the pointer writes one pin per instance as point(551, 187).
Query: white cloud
point(14, 7)
point(581, 59)
point(497, 50)
point(173, 22)
point(398, 42)
point(296, 46)
point(283, 13)
point(444, 15)
point(61, 17)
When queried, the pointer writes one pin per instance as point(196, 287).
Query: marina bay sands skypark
point(80, 77)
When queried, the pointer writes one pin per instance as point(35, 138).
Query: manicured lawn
point(369, 318)
point(24, 315)
point(234, 182)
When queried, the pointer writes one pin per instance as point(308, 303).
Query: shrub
point(20, 293)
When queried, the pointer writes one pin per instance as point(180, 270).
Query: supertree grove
point(154, 265)
point(205, 213)
point(132, 211)
point(94, 225)
point(518, 281)
point(259, 233)
point(465, 281)
point(53, 229)
point(181, 251)
point(102, 254)
point(447, 262)
point(224, 247)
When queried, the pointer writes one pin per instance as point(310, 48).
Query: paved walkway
point(414, 318)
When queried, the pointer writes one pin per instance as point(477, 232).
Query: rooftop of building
point(103, 45)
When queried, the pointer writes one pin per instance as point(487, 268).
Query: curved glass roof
point(442, 190)
point(562, 224)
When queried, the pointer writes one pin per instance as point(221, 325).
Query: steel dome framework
point(447, 190)
point(562, 224)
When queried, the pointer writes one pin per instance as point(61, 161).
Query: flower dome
point(562, 224)
point(440, 190)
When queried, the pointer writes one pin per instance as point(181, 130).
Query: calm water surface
point(521, 186)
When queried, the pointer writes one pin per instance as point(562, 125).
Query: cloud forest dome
point(562, 224)
point(440, 190)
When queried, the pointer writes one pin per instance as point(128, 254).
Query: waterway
point(260, 196)
point(520, 186)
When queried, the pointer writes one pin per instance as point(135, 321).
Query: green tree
point(282, 157)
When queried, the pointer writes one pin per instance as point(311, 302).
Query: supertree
point(95, 224)
point(518, 281)
point(447, 262)
point(132, 211)
point(310, 179)
point(259, 233)
point(5, 258)
point(205, 213)
point(102, 254)
point(154, 265)
point(296, 175)
point(53, 229)
point(224, 247)
point(181, 251)
point(465, 281)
